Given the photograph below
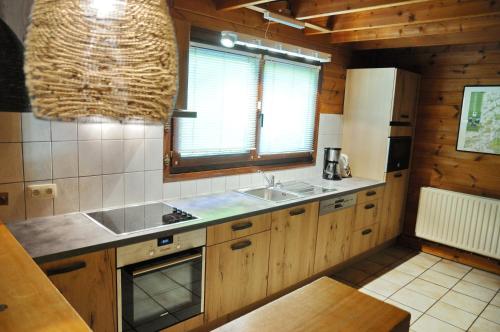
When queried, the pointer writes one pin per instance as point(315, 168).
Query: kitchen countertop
point(33, 302)
point(62, 236)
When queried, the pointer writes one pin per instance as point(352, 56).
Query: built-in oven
point(161, 281)
point(399, 153)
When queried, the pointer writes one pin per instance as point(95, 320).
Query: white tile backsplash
point(203, 186)
point(90, 192)
point(113, 190)
point(154, 154)
point(37, 161)
point(112, 130)
point(134, 188)
point(90, 158)
point(67, 199)
point(63, 131)
point(133, 130)
point(188, 188)
point(36, 207)
point(232, 182)
point(34, 129)
point(171, 190)
point(245, 180)
point(218, 184)
point(134, 155)
point(153, 182)
point(154, 131)
point(112, 157)
point(89, 131)
point(65, 159)
point(121, 164)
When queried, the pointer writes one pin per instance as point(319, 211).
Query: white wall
point(102, 165)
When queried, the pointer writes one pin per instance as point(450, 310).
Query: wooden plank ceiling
point(371, 24)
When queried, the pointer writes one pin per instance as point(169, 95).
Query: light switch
point(42, 191)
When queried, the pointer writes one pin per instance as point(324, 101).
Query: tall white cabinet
point(380, 103)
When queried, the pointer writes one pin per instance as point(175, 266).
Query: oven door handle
point(165, 265)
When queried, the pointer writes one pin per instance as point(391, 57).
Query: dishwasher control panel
point(337, 203)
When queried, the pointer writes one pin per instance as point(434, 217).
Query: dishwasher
point(336, 217)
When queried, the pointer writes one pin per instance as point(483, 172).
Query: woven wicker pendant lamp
point(114, 59)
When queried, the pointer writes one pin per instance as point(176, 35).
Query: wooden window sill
point(167, 177)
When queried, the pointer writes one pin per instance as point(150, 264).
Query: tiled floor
point(440, 295)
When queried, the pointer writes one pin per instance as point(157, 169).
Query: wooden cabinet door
point(391, 221)
point(406, 96)
point(293, 241)
point(333, 240)
point(88, 282)
point(363, 240)
point(236, 274)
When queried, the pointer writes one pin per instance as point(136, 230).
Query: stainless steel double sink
point(285, 191)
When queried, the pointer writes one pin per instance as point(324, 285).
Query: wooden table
point(324, 305)
point(33, 303)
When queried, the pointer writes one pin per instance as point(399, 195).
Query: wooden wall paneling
point(236, 4)
point(484, 35)
point(318, 8)
point(204, 14)
point(440, 28)
point(436, 162)
point(416, 13)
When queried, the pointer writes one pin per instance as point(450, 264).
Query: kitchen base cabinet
point(88, 282)
point(293, 242)
point(333, 240)
point(391, 221)
point(363, 240)
point(236, 274)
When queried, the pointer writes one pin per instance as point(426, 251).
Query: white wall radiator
point(463, 221)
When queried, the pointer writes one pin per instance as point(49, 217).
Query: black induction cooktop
point(140, 217)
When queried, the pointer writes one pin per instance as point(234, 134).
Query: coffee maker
point(331, 168)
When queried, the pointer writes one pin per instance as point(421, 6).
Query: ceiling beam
point(318, 8)
point(419, 30)
point(414, 14)
point(486, 35)
point(236, 4)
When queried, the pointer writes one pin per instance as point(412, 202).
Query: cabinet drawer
point(363, 240)
point(370, 194)
point(238, 228)
point(367, 213)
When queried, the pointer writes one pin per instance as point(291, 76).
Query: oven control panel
point(162, 246)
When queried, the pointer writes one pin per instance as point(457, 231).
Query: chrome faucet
point(269, 179)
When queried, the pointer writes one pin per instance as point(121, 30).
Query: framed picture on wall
point(479, 126)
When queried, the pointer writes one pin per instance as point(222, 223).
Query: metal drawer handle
point(371, 193)
point(398, 175)
point(296, 212)
point(65, 269)
point(369, 206)
point(241, 226)
point(366, 231)
point(165, 265)
point(240, 245)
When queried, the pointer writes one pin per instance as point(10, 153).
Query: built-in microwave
point(399, 153)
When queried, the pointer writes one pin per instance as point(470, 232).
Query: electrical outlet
point(42, 191)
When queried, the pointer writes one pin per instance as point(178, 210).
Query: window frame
point(176, 168)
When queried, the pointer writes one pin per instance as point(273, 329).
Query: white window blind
point(288, 107)
point(222, 88)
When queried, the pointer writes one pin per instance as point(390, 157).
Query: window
point(288, 107)
point(252, 110)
